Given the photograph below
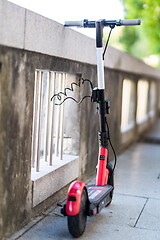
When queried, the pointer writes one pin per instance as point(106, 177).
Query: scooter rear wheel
point(77, 223)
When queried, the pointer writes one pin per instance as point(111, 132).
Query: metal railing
point(48, 120)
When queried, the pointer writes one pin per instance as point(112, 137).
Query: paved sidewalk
point(134, 212)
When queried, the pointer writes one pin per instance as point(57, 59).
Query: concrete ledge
point(12, 24)
point(47, 185)
point(123, 61)
point(25, 29)
point(49, 37)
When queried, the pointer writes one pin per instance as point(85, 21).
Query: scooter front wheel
point(77, 223)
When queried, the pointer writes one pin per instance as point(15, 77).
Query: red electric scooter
point(83, 200)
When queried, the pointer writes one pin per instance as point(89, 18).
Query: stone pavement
point(134, 212)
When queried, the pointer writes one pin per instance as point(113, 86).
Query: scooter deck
point(99, 197)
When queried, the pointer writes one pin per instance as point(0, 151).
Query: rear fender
point(74, 198)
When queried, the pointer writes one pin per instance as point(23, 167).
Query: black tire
point(110, 181)
point(77, 223)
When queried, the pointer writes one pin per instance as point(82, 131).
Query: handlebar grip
point(130, 22)
point(74, 23)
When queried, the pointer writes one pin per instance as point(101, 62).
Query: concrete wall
point(29, 41)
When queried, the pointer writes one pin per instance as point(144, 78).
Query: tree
point(144, 40)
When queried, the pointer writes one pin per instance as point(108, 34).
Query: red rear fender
point(74, 198)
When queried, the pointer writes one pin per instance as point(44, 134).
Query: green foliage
point(142, 41)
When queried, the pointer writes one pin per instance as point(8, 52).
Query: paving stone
point(150, 217)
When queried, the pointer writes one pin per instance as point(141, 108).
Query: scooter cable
point(109, 139)
point(60, 94)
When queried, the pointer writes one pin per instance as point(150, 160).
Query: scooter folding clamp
point(96, 98)
point(95, 95)
point(103, 139)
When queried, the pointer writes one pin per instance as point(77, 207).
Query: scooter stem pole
point(99, 49)
point(100, 74)
point(100, 68)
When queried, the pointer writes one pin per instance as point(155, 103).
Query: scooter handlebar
point(92, 24)
point(74, 23)
point(130, 22)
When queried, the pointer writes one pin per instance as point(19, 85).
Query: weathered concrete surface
point(134, 212)
point(12, 24)
point(15, 132)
